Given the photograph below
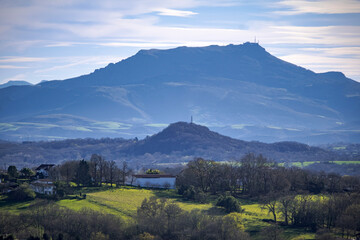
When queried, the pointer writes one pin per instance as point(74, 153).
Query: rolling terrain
point(176, 144)
point(238, 90)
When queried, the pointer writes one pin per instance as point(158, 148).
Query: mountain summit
point(238, 90)
point(185, 137)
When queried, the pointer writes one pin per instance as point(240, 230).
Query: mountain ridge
point(14, 83)
point(223, 87)
point(179, 142)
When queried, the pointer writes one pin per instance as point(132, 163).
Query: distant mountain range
point(14, 83)
point(237, 90)
point(176, 144)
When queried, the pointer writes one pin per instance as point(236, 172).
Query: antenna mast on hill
point(191, 121)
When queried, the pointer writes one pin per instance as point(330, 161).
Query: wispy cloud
point(75, 61)
point(174, 13)
point(157, 125)
point(319, 6)
point(72, 28)
point(21, 59)
point(11, 67)
point(323, 59)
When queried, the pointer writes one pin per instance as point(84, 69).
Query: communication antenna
point(191, 121)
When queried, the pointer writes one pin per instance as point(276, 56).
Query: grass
point(124, 201)
point(255, 215)
point(346, 162)
point(305, 164)
point(13, 207)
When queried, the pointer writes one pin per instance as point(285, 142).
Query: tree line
point(302, 198)
point(155, 219)
point(94, 172)
point(298, 197)
point(255, 176)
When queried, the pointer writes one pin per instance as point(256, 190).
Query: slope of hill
point(238, 90)
point(189, 139)
point(178, 143)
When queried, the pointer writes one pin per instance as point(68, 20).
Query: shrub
point(230, 204)
point(152, 171)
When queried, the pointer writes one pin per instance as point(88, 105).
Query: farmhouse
point(154, 180)
point(42, 171)
point(43, 186)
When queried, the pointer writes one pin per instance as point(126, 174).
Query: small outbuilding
point(154, 180)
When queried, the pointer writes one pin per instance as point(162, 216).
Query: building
point(43, 186)
point(154, 180)
point(42, 171)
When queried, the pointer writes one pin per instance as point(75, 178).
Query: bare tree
point(125, 171)
point(111, 166)
point(94, 165)
point(284, 206)
point(68, 170)
point(271, 203)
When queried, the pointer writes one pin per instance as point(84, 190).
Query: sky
point(60, 39)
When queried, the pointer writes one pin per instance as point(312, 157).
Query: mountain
point(189, 139)
point(14, 83)
point(178, 143)
point(237, 90)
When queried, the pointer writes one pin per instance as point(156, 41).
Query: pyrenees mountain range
point(240, 91)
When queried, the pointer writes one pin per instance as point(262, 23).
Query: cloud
point(319, 6)
point(175, 13)
point(240, 126)
point(176, 84)
point(11, 67)
point(323, 59)
point(325, 35)
point(138, 44)
point(157, 125)
point(21, 59)
point(80, 24)
point(75, 61)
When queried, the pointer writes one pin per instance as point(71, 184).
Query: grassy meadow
point(305, 164)
point(124, 201)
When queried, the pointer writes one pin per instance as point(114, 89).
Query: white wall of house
point(166, 182)
point(43, 187)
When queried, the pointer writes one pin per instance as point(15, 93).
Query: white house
point(43, 186)
point(154, 180)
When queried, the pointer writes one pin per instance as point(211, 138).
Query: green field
point(305, 164)
point(124, 202)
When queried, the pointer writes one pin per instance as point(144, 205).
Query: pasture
point(124, 201)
